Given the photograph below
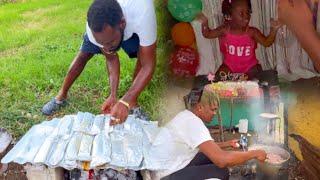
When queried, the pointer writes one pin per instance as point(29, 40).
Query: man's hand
point(233, 143)
point(113, 67)
point(260, 155)
point(119, 113)
point(108, 104)
point(145, 67)
point(294, 13)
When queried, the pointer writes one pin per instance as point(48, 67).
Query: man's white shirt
point(140, 18)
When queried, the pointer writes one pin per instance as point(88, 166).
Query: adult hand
point(108, 104)
point(275, 24)
point(233, 143)
point(294, 13)
point(261, 155)
point(202, 18)
point(119, 113)
point(297, 15)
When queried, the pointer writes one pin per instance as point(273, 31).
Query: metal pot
point(268, 167)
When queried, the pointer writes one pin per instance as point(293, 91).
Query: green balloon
point(184, 10)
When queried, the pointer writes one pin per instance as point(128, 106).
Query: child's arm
point(206, 31)
point(266, 41)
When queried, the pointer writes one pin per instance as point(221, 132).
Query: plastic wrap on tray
point(67, 141)
point(30, 150)
point(133, 142)
point(133, 150)
point(117, 149)
point(107, 127)
point(51, 150)
point(131, 124)
point(69, 165)
point(86, 123)
point(83, 122)
point(64, 137)
point(57, 152)
point(101, 150)
point(126, 144)
point(56, 128)
point(19, 155)
point(73, 147)
point(65, 125)
point(62, 131)
point(27, 147)
point(85, 148)
point(77, 121)
point(98, 125)
point(150, 131)
point(44, 150)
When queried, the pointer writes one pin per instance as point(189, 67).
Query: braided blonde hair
point(201, 97)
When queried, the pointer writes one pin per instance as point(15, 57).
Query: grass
point(38, 40)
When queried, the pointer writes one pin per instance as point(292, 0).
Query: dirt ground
point(14, 171)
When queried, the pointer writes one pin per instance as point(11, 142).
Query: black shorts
point(130, 46)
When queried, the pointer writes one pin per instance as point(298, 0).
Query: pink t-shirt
point(239, 52)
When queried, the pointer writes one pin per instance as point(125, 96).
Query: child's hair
point(227, 6)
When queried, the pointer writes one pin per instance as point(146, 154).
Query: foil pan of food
point(73, 139)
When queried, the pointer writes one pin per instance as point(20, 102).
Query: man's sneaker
point(52, 106)
point(139, 113)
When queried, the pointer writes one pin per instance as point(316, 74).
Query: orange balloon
point(182, 34)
